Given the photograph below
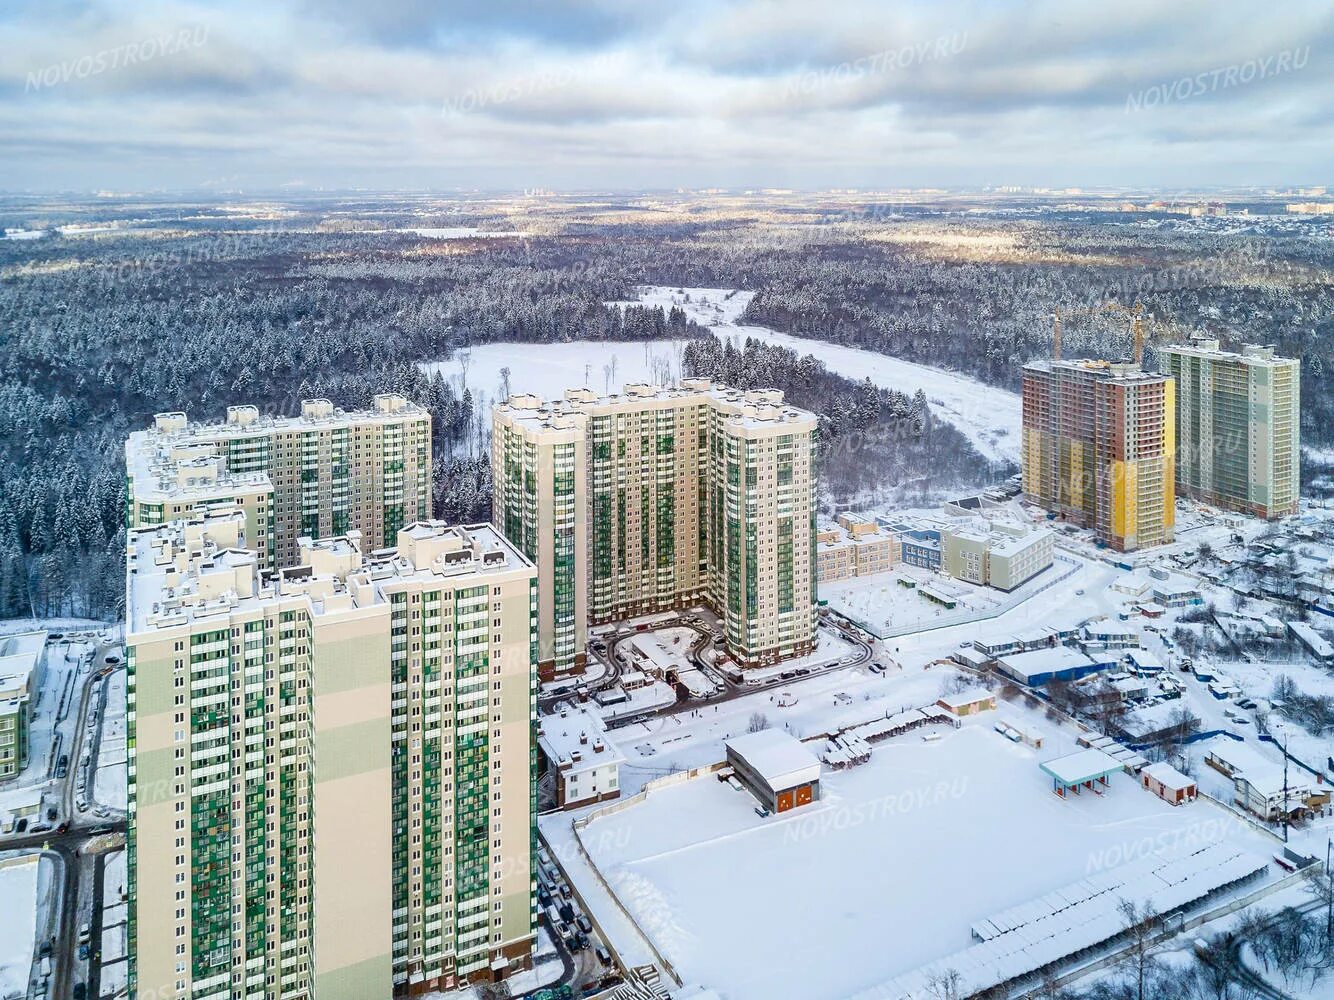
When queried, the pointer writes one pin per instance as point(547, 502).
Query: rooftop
point(1168, 775)
point(750, 408)
point(1081, 766)
point(184, 571)
point(776, 756)
point(176, 457)
point(19, 656)
point(1250, 354)
point(1120, 372)
point(576, 739)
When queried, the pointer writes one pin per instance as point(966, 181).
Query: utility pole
point(1285, 790)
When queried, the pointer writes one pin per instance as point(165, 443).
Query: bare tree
point(947, 985)
point(1142, 925)
point(464, 355)
point(505, 382)
point(758, 721)
point(1218, 976)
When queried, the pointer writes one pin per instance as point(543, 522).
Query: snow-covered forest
point(155, 306)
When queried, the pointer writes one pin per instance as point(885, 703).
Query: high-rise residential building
point(1238, 426)
point(331, 771)
point(1099, 448)
point(661, 498)
point(323, 473)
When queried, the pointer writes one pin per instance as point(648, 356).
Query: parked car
point(584, 923)
point(113, 658)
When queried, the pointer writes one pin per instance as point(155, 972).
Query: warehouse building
point(777, 768)
point(969, 702)
point(1057, 663)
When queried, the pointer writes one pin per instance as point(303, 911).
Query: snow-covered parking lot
point(887, 872)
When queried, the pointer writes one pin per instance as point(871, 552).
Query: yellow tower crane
point(1136, 325)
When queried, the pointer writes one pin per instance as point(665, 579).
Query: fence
point(964, 617)
point(611, 809)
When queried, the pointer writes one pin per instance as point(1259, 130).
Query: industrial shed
point(777, 768)
point(1056, 663)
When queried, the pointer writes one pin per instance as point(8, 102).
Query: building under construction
point(1099, 448)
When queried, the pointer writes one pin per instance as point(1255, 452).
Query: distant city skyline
point(292, 95)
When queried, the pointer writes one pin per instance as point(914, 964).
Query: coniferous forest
point(163, 305)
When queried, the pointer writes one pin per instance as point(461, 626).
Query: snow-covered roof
point(19, 656)
point(1082, 765)
point(1169, 776)
point(1313, 639)
point(776, 756)
point(577, 733)
point(1042, 661)
point(968, 697)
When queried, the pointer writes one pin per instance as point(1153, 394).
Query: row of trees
point(100, 335)
point(871, 438)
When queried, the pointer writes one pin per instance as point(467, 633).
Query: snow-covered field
point(987, 416)
point(18, 922)
point(842, 895)
point(549, 369)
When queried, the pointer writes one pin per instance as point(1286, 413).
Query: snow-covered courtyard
point(858, 878)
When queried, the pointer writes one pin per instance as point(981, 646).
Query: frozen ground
point(987, 416)
point(859, 878)
point(18, 924)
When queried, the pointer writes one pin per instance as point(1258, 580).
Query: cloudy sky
point(613, 94)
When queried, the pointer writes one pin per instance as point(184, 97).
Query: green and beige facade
point(660, 498)
point(331, 764)
point(323, 473)
point(1238, 426)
